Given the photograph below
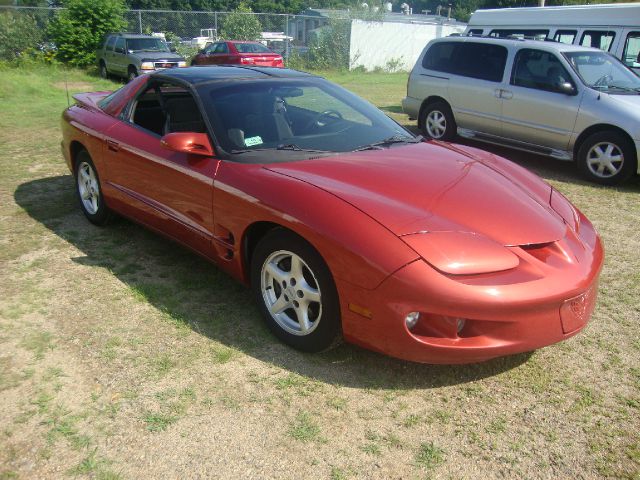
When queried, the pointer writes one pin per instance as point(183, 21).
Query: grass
point(115, 336)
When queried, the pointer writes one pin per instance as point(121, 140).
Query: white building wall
point(375, 44)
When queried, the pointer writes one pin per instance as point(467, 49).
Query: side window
point(565, 36)
point(598, 39)
point(539, 70)
point(221, 48)
point(120, 44)
point(520, 33)
point(631, 54)
point(111, 41)
point(478, 60)
point(210, 48)
point(165, 108)
point(439, 57)
point(475, 32)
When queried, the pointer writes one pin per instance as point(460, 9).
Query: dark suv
point(129, 55)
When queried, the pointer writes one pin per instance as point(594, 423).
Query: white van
point(611, 27)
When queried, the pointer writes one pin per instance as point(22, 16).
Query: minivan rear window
point(469, 59)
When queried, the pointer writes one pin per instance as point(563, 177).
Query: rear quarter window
point(439, 57)
point(469, 59)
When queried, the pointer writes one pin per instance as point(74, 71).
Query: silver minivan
point(564, 101)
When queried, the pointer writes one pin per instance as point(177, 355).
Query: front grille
point(165, 64)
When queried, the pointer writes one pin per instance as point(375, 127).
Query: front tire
point(103, 70)
point(132, 73)
point(89, 191)
point(437, 122)
point(295, 291)
point(607, 158)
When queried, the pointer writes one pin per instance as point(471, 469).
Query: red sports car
point(238, 53)
point(343, 222)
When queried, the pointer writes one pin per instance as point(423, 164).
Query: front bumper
point(504, 313)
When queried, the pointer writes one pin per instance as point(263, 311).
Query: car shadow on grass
point(191, 291)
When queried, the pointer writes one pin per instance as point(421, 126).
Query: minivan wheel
point(606, 158)
point(437, 122)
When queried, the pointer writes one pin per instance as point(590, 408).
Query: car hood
point(155, 56)
point(429, 187)
point(630, 100)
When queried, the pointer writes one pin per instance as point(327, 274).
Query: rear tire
point(607, 158)
point(295, 292)
point(89, 191)
point(437, 122)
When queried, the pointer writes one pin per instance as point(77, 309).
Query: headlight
point(182, 64)
point(146, 66)
point(462, 253)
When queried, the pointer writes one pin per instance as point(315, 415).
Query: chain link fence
point(292, 35)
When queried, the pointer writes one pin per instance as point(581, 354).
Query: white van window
point(477, 32)
point(520, 33)
point(631, 54)
point(598, 39)
point(565, 36)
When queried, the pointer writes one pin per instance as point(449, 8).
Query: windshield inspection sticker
point(251, 141)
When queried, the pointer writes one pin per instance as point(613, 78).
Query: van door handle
point(113, 146)
point(497, 93)
point(506, 94)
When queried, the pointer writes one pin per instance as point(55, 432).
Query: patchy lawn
point(123, 356)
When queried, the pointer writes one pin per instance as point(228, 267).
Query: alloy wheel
point(88, 188)
point(291, 293)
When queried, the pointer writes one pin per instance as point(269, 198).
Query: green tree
point(18, 33)
point(79, 29)
point(240, 26)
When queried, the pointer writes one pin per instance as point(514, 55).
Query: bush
point(18, 34)
point(79, 29)
point(240, 26)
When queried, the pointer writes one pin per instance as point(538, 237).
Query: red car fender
point(356, 248)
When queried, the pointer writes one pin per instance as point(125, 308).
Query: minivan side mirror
point(567, 88)
point(188, 142)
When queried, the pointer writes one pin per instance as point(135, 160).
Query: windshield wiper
point(389, 141)
point(289, 146)
point(296, 148)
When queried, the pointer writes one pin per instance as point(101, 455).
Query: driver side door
point(169, 191)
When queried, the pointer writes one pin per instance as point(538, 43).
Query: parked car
point(238, 53)
point(564, 101)
point(129, 55)
point(340, 219)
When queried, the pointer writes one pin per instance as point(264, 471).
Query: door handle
point(497, 92)
point(113, 146)
point(506, 94)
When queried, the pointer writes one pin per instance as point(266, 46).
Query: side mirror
point(567, 88)
point(188, 142)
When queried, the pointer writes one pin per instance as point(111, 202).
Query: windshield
point(285, 115)
point(602, 71)
point(251, 48)
point(146, 45)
